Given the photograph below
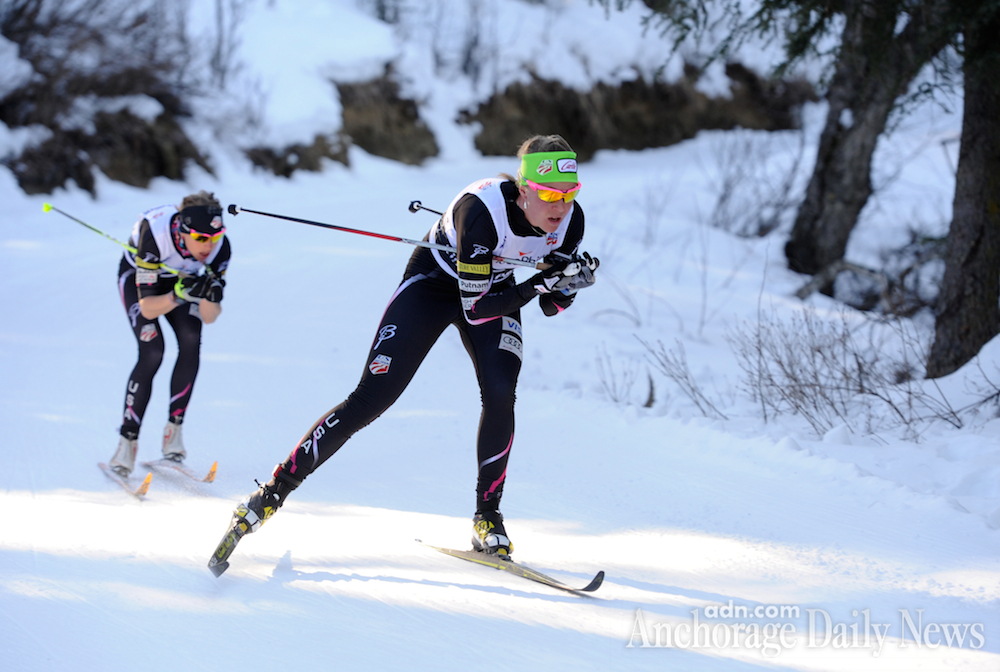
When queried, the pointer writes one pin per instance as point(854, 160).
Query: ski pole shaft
point(235, 210)
point(417, 206)
point(48, 207)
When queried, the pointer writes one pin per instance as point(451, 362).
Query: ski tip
point(219, 568)
point(144, 488)
point(211, 472)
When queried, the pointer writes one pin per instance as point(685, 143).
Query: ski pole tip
point(234, 209)
point(414, 206)
point(46, 207)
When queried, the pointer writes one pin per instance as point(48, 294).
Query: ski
point(219, 562)
point(138, 493)
point(180, 468)
point(517, 569)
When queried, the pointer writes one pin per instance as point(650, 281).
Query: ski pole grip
point(416, 206)
point(541, 265)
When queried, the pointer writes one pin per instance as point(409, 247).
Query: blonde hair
point(201, 198)
point(543, 143)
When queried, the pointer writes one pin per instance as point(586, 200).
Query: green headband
point(544, 167)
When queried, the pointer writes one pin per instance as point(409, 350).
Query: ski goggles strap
point(549, 167)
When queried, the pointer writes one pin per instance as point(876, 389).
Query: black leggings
point(186, 323)
point(418, 313)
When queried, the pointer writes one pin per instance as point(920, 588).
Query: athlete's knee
point(367, 402)
point(189, 343)
point(498, 390)
point(151, 352)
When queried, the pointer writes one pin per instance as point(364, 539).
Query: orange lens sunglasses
point(550, 194)
point(199, 237)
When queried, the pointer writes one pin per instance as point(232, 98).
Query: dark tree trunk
point(968, 312)
point(874, 68)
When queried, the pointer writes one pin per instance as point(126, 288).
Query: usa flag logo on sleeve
point(380, 365)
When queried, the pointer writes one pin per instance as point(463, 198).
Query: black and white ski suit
point(158, 244)
point(477, 294)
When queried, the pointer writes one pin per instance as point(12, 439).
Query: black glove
point(585, 278)
point(192, 288)
point(214, 291)
point(556, 276)
point(565, 274)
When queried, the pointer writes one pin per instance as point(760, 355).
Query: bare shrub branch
point(824, 372)
point(673, 364)
point(618, 380)
point(755, 191)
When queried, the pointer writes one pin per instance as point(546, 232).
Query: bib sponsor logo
point(380, 365)
point(475, 269)
point(476, 286)
point(144, 277)
point(512, 325)
point(147, 333)
point(478, 249)
point(511, 343)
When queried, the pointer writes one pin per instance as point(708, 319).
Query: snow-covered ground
point(775, 546)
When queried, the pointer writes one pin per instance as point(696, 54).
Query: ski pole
point(48, 207)
point(415, 206)
point(235, 210)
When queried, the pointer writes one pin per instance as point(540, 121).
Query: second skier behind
point(176, 272)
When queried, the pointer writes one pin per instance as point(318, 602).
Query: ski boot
point(489, 535)
point(255, 510)
point(123, 461)
point(173, 444)
point(248, 516)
